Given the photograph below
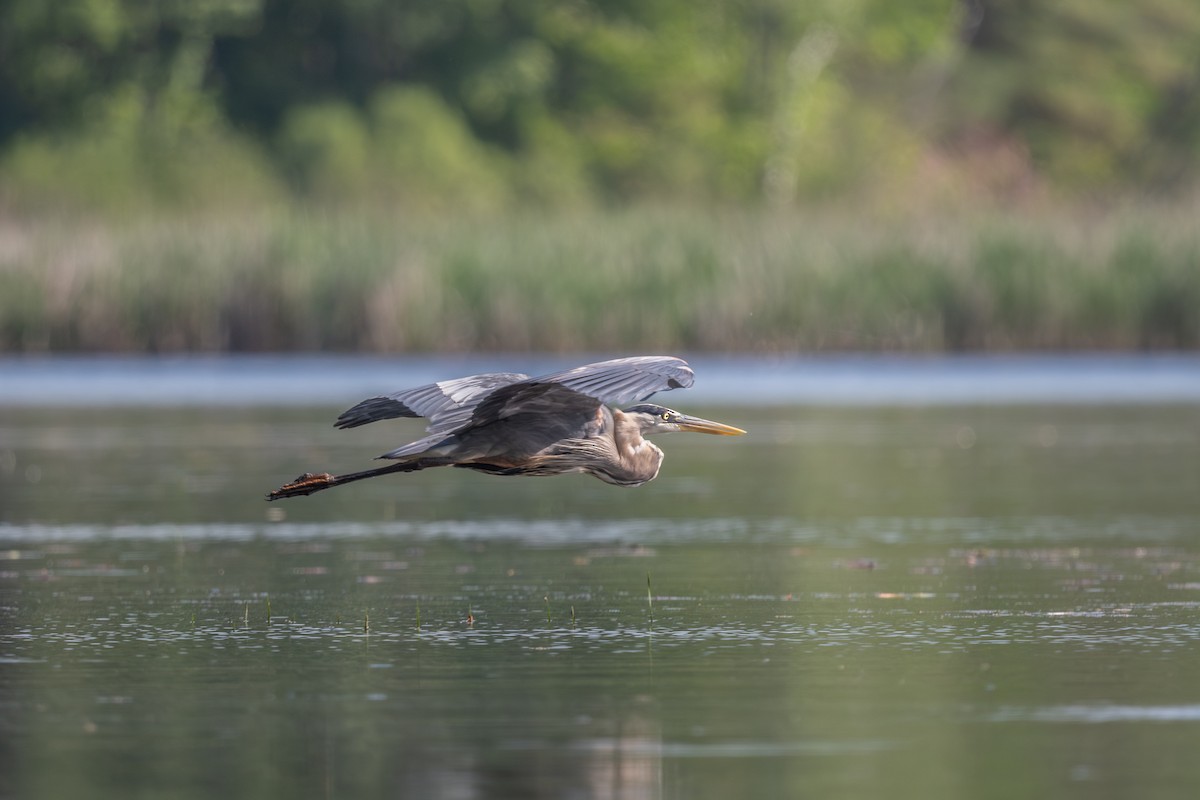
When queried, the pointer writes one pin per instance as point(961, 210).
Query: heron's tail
point(309, 482)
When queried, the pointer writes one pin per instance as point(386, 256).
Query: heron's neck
point(638, 457)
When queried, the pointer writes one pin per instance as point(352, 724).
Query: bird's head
point(653, 419)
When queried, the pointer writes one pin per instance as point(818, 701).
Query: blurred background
point(479, 175)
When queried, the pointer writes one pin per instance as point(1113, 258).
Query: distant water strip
point(732, 380)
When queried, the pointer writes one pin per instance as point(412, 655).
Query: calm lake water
point(984, 592)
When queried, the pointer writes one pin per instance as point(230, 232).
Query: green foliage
point(326, 149)
point(134, 155)
point(459, 103)
point(424, 153)
point(1102, 94)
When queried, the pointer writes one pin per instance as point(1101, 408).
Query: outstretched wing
point(433, 401)
point(624, 380)
point(555, 406)
point(479, 399)
point(616, 382)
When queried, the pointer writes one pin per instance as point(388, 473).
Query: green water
point(915, 603)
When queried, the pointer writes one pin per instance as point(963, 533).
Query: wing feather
point(625, 380)
point(434, 401)
point(479, 399)
point(616, 382)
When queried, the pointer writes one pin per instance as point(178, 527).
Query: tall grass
point(641, 279)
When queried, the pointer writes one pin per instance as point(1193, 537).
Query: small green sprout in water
point(547, 599)
point(268, 611)
point(418, 615)
point(649, 596)
point(246, 615)
point(366, 621)
point(572, 616)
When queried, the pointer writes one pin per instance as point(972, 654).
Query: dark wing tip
point(372, 410)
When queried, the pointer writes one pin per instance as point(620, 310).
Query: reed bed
point(640, 279)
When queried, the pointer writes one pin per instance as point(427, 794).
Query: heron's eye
point(666, 417)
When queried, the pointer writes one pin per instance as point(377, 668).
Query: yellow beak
point(698, 425)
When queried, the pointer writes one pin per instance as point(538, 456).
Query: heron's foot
point(306, 484)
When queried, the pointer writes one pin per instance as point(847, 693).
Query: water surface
point(926, 601)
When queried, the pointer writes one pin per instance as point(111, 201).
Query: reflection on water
point(863, 602)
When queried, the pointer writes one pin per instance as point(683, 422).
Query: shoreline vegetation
point(641, 279)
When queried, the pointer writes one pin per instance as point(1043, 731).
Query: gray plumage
point(511, 424)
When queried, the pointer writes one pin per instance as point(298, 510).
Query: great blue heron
point(510, 424)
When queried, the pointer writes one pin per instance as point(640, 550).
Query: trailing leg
point(309, 482)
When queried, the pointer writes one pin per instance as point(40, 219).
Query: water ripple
point(1099, 714)
point(548, 532)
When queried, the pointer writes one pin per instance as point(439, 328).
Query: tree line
point(479, 104)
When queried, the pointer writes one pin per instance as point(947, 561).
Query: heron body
point(512, 424)
point(610, 446)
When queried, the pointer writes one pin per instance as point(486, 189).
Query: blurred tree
point(59, 60)
point(575, 98)
point(105, 104)
point(1100, 93)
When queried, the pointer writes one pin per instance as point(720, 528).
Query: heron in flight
point(506, 423)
